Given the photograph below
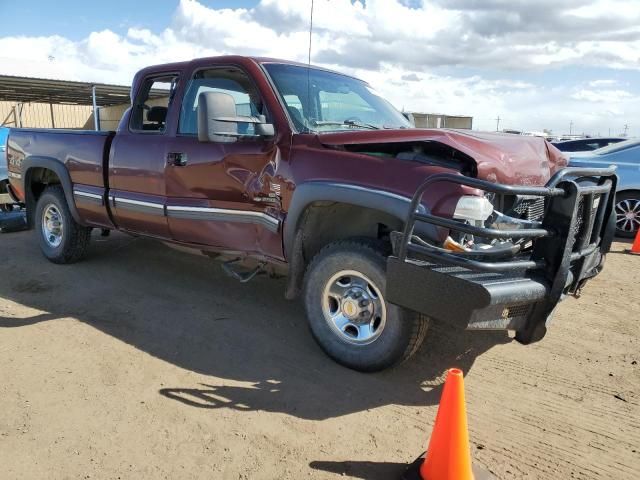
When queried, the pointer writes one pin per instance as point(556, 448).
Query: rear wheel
point(627, 214)
point(61, 239)
point(348, 314)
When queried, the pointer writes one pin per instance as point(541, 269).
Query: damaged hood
point(502, 158)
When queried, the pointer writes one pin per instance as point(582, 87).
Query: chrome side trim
point(88, 196)
point(138, 203)
point(150, 208)
point(225, 215)
point(197, 213)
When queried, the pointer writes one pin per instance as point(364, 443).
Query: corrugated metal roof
point(42, 90)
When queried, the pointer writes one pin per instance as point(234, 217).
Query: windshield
point(321, 101)
point(616, 147)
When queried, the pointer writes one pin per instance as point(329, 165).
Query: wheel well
point(325, 222)
point(37, 179)
point(328, 222)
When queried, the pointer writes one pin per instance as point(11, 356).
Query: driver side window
point(150, 108)
point(229, 80)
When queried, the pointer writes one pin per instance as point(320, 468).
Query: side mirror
point(218, 120)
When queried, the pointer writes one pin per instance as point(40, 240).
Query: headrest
point(157, 114)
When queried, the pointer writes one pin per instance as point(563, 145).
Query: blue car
point(626, 156)
point(5, 199)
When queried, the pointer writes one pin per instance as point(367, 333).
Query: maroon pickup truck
point(277, 167)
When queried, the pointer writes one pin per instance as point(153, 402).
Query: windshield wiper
point(348, 122)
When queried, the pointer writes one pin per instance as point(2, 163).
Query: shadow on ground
point(253, 345)
point(364, 470)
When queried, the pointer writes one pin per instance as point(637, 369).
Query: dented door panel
point(225, 195)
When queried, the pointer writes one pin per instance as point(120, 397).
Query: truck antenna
point(309, 59)
point(310, 32)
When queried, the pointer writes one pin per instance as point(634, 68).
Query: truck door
point(227, 194)
point(137, 194)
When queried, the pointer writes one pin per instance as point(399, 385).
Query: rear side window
point(151, 106)
point(229, 80)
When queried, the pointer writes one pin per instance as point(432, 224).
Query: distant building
point(438, 120)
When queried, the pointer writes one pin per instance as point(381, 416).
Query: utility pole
point(498, 124)
point(570, 127)
point(626, 127)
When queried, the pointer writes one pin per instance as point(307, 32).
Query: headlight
point(470, 207)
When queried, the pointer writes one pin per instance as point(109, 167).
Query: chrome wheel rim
point(354, 308)
point(628, 215)
point(52, 226)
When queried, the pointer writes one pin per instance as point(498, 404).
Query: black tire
point(403, 331)
point(74, 237)
point(623, 201)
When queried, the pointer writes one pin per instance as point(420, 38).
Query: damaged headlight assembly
point(479, 211)
point(473, 208)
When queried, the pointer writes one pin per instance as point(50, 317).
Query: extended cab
point(282, 168)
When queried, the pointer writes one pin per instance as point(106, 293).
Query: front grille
point(577, 228)
point(586, 222)
point(530, 208)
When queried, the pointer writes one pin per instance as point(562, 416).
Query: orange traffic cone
point(448, 456)
point(635, 248)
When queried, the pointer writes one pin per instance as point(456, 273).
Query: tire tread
point(78, 237)
point(420, 323)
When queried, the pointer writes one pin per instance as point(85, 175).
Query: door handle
point(177, 159)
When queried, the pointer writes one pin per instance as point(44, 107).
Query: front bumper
point(515, 291)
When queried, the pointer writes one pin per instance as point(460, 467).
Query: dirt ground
point(142, 362)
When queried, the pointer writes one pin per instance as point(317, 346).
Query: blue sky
point(537, 65)
point(75, 19)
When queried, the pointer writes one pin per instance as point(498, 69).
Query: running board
point(13, 221)
point(243, 276)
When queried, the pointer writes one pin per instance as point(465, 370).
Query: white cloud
point(402, 50)
point(602, 96)
point(603, 83)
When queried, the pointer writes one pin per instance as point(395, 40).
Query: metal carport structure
point(27, 90)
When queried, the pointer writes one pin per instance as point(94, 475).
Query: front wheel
point(62, 240)
point(627, 214)
point(348, 314)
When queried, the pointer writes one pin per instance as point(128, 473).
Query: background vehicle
point(586, 144)
point(626, 157)
point(279, 167)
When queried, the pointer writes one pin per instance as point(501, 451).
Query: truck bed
point(79, 157)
